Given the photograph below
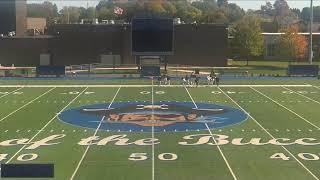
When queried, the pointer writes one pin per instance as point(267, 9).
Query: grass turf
point(275, 112)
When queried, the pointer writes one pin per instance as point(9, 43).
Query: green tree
point(281, 9)
point(170, 9)
point(235, 12)
point(248, 37)
point(129, 10)
point(89, 13)
point(70, 14)
point(106, 13)
point(222, 3)
point(154, 7)
point(187, 12)
point(219, 17)
point(296, 12)
point(205, 6)
point(46, 10)
point(267, 10)
point(105, 4)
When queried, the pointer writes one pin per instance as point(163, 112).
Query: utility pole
point(68, 15)
point(310, 33)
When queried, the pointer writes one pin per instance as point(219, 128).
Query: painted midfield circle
point(164, 116)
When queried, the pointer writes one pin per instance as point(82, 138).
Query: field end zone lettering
point(119, 140)
point(35, 144)
point(189, 140)
point(3, 157)
point(202, 139)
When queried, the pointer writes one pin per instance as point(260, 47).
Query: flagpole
point(310, 33)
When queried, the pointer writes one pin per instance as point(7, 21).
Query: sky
point(245, 4)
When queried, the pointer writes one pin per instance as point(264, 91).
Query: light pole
point(310, 33)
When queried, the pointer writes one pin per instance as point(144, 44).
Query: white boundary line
point(152, 130)
point(10, 92)
point(286, 108)
point(302, 95)
point(146, 85)
point(95, 133)
point(45, 126)
point(2, 119)
point(315, 177)
point(223, 156)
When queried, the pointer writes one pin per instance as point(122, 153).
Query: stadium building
point(67, 44)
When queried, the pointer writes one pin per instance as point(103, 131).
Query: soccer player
point(196, 81)
point(168, 80)
point(159, 80)
point(217, 80)
point(209, 79)
point(187, 79)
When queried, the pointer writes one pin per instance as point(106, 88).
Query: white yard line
point(146, 85)
point(220, 150)
point(313, 175)
point(222, 154)
point(152, 100)
point(45, 126)
point(10, 92)
point(2, 119)
point(286, 108)
point(302, 95)
point(316, 87)
point(95, 133)
point(194, 103)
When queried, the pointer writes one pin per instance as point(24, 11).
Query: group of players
point(193, 80)
point(164, 80)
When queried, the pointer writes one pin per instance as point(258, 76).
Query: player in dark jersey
point(196, 81)
point(217, 80)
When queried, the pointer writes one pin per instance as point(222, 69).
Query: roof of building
point(302, 33)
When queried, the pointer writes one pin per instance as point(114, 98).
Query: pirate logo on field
point(162, 116)
point(154, 115)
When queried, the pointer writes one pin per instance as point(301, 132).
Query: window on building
point(271, 49)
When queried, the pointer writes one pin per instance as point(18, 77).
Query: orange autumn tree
point(292, 44)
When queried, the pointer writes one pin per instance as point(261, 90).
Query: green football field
point(279, 138)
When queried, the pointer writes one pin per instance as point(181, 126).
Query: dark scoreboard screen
point(7, 16)
point(152, 36)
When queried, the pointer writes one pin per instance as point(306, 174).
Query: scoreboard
point(152, 36)
point(7, 16)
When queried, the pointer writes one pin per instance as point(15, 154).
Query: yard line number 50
point(144, 156)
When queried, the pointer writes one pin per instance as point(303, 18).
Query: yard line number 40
point(303, 156)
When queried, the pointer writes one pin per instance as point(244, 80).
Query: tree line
point(245, 27)
point(206, 11)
